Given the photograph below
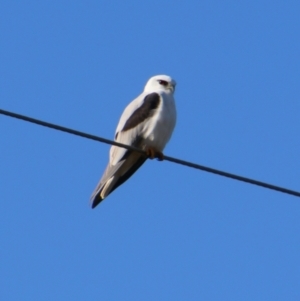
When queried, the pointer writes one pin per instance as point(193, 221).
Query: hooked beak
point(171, 87)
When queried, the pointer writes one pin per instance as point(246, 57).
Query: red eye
point(163, 82)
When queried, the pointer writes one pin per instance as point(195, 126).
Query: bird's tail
point(116, 175)
point(102, 191)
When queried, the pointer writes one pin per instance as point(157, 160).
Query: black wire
point(167, 158)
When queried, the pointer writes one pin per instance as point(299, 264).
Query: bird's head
point(160, 82)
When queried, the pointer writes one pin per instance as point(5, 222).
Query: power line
point(167, 158)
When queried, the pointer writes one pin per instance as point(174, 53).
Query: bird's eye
point(163, 82)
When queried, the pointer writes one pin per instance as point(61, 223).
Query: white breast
point(160, 127)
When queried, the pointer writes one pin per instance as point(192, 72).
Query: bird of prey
point(146, 123)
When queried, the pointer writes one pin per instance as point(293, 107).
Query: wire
point(167, 158)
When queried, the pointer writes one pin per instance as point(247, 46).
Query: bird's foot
point(153, 153)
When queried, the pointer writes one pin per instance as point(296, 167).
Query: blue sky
point(170, 232)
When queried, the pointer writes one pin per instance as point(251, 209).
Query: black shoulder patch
point(151, 102)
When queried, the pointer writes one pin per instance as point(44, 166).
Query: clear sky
point(170, 232)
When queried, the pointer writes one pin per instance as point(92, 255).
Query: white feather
point(153, 132)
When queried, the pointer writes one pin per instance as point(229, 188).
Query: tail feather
point(116, 175)
point(103, 189)
point(102, 192)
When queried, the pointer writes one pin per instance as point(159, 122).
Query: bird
point(146, 123)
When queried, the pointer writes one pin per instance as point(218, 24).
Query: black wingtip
point(96, 201)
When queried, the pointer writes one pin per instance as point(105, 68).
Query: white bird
point(146, 123)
